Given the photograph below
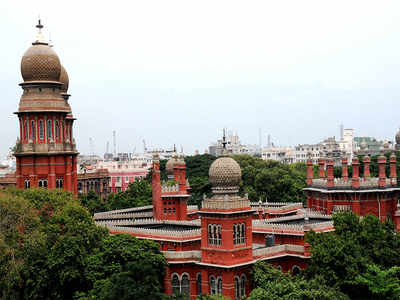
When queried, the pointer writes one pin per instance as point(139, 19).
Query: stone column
point(355, 183)
point(68, 170)
point(382, 171)
point(52, 174)
point(393, 172)
point(345, 173)
point(367, 161)
point(330, 175)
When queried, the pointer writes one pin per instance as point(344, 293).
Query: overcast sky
point(179, 71)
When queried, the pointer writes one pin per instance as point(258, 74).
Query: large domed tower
point(45, 151)
point(226, 230)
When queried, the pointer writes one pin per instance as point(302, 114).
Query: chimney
point(367, 161)
point(345, 173)
point(329, 170)
point(309, 171)
point(382, 171)
point(321, 163)
point(393, 172)
point(355, 183)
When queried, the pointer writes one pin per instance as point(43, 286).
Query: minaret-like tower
point(45, 151)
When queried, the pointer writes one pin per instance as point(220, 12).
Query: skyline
point(296, 74)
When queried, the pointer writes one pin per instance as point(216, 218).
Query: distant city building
point(233, 146)
point(397, 138)
point(122, 173)
point(94, 180)
point(366, 145)
point(281, 154)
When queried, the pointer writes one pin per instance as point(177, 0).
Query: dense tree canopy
point(270, 283)
point(50, 248)
point(358, 254)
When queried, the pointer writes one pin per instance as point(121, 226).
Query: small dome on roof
point(225, 175)
point(64, 79)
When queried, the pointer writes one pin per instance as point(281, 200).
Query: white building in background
point(233, 146)
point(281, 154)
point(347, 145)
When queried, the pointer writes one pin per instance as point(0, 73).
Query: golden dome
point(40, 63)
point(225, 175)
point(64, 79)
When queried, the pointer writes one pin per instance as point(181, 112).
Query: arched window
point(62, 129)
point(79, 187)
point(198, 279)
point(213, 287)
point(210, 234)
point(237, 288)
point(242, 286)
point(165, 211)
point(219, 235)
point(185, 285)
point(279, 267)
point(295, 270)
point(57, 130)
point(49, 129)
point(234, 234)
point(26, 130)
point(176, 287)
point(174, 210)
point(33, 130)
point(27, 184)
point(41, 130)
point(243, 234)
point(219, 286)
point(42, 183)
point(169, 211)
point(59, 184)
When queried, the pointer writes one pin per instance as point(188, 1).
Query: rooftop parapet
point(151, 232)
point(355, 182)
point(170, 188)
point(278, 249)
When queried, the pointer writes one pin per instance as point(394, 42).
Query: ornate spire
point(39, 36)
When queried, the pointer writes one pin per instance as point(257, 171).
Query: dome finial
point(39, 36)
point(224, 142)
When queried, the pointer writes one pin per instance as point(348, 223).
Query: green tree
point(93, 202)
point(138, 193)
point(272, 284)
point(340, 256)
point(124, 267)
point(383, 284)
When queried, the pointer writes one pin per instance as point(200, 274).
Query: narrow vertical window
point(33, 130)
point(237, 289)
point(243, 286)
point(219, 286)
point(49, 129)
point(25, 130)
point(213, 288)
point(41, 130)
point(185, 285)
point(57, 130)
point(176, 287)
point(198, 284)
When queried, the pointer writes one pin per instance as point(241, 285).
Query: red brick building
point(45, 150)
point(212, 250)
point(362, 195)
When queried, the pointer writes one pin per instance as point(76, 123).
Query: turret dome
point(64, 79)
point(225, 175)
